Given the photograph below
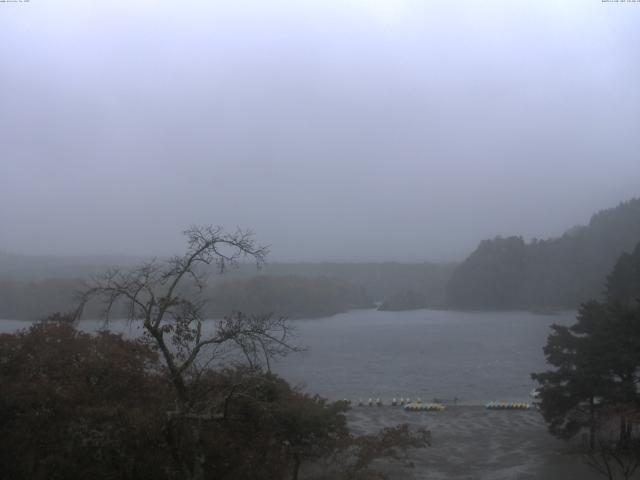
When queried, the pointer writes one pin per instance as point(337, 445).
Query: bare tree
point(617, 450)
point(166, 297)
point(613, 460)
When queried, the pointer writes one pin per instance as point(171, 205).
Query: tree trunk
point(296, 466)
point(624, 431)
point(592, 424)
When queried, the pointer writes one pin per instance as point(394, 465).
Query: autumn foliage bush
point(76, 405)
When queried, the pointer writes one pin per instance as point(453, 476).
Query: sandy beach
point(470, 442)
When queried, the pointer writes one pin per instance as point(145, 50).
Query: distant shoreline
point(532, 311)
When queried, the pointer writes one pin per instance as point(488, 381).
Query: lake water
point(474, 356)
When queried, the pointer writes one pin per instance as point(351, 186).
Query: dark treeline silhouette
point(559, 272)
point(296, 290)
point(380, 281)
point(596, 369)
point(32, 300)
point(290, 296)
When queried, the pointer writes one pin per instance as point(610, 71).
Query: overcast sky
point(335, 129)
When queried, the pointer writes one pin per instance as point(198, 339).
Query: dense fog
point(319, 239)
point(367, 130)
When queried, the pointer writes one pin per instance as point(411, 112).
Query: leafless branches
point(610, 459)
point(166, 297)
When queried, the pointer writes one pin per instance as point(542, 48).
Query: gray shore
point(470, 442)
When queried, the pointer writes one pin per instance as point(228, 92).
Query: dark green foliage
point(285, 428)
point(265, 429)
point(623, 284)
point(597, 361)
point(378, 280)
point(492, 276)
point(559, 272)
point(32, 300)
point(289, 296)
point(31, 287)
point(571, 394)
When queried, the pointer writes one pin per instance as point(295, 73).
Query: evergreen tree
point(571, 395)
point(597, 361)
point(558, 272)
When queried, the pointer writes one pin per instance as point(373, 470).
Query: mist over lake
point(280, 205)
point(474, 356)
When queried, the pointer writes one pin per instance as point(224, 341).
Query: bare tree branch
point(161, 295)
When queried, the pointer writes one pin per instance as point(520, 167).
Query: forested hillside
point(288, 296)
point(381, 281)
point(558, 272)
point(31, 287)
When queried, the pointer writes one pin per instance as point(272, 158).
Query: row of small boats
point(407, 404)
point(508, 406)
point(419, 406)
point(379, 403)
point(424, 407)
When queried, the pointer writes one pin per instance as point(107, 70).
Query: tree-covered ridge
point(289, 296)
point(593, 383)
point(30, 288)
point(558, 272)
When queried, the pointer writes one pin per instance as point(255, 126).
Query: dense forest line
point(380, 280)
point(559, 272)
point(289, 296)
point(32, 287)
point(501, 273)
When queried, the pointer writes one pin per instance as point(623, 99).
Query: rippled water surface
point(474, 356)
